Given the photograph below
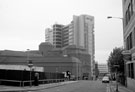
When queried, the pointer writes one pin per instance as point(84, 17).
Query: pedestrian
point(36, 78)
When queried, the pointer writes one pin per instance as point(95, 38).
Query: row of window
point(56, 36)
point(65, 44)
point(57, 32)
point(57, 26)
point(130, 39)
point(130, 70)
point(58, 46)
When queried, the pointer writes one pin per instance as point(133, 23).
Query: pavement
point(121, 88)
point(33, 88)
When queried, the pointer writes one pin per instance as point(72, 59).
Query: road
point(80, 86)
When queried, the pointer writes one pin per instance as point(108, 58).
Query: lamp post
point(109, 17)
point(116, 66)
point(30, 65)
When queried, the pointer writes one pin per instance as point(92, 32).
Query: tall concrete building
point(129, 40)
point(67, 35)
point(103, 69)
point(80, 32)
point(57, 35)
point(83, 35)
point(54, 35)
point(49, 35)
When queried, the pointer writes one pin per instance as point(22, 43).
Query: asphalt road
point(81, 86)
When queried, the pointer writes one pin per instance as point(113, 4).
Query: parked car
point(105, 79)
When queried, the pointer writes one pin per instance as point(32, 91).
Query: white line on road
point(108, 88)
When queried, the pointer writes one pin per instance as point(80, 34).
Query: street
point(80, 86)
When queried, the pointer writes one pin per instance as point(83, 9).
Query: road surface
point(80, 86)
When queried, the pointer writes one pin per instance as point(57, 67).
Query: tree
point(116, 58)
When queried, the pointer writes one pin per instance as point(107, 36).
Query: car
point(105, 79)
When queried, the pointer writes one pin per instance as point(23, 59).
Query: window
point(130, 71)
point(131, 2)
point(134, 36)
point(129, 12)
point(58, 42)
point(129, 43)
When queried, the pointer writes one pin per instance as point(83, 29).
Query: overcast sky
point(23, 22)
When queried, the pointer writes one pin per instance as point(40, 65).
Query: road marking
point(108, 88)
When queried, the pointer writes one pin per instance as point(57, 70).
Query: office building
point(49, 35)
point(57, 35)
point(80, 33)
point(83, 35)
point(103, 69)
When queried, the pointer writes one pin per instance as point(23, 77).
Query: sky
point(23, 22)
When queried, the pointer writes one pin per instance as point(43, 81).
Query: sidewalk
point(120, 88)
point(28, 88)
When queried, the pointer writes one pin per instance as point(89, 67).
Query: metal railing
point(22, 83)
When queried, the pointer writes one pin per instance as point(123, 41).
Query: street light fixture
point(117, 66)
point(109, 17)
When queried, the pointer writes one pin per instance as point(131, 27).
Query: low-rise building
point(51, 59)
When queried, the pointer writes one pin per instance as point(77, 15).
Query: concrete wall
point(50, 64)
point(131, 83)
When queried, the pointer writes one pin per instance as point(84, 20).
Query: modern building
point(103, 69)
point(54, 35)
point(129, 40)
point(67, 35)
point(49, 35)
point(80, 32)
point(57, 35)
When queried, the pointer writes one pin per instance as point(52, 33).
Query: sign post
point(30, 65)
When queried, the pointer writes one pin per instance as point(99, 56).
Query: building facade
point(46, 59)
point(83, 36)
point(103, 69)
point(80, 32)
point(129, 40)
point(57, 35)
point(49, 35)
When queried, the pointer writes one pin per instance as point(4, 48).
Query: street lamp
point(30, 65)
point(116, 66)
point(109, 17)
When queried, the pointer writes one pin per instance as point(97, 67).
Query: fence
point(22, 77)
